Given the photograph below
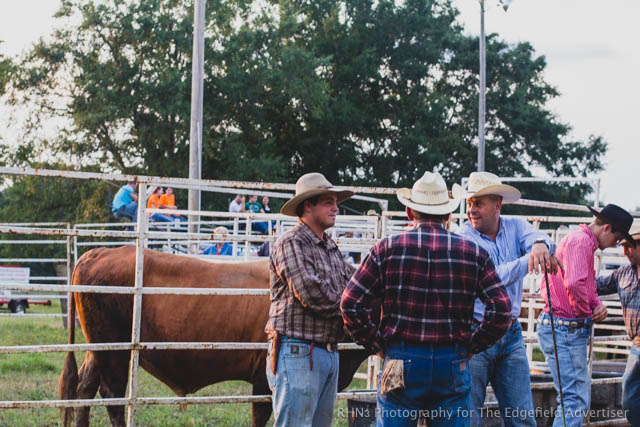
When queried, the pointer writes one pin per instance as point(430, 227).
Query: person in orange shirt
point(169, 199)
point(155, 203)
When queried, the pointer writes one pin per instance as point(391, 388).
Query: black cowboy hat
point(619, 219)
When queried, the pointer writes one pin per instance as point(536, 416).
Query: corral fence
point(353, 233)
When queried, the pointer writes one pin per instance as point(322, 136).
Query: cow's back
point(197, 318)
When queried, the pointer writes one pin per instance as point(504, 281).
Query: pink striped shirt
point(573, 292)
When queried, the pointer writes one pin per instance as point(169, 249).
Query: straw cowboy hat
point(311, 185)
point(429, 195)
point(619, 219)
point(485, 183)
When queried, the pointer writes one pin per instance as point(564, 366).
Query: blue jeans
point(160, 218)
point(506, 367)
point(437, 384)
point(301, 396)
point(631, 387)
point(574, 371)
point(129, 211)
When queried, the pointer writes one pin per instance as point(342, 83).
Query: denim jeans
point(129, 211)
point(160, 218)
point(506, 367)
point(574, 371)
point(437, 384)
point(631, 387)
point(302, 396)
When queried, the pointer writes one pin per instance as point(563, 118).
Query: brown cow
point(108, 318)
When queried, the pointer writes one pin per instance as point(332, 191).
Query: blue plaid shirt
point(625, 281)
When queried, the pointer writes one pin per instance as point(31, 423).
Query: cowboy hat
point(485, 183)
point(429, 195)
point(311, 185)
point(619, 219)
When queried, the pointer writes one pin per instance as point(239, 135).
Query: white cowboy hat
point(310, 185)
point(429, 195)
point(485, 183)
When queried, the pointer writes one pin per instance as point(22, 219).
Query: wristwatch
point(541, 241)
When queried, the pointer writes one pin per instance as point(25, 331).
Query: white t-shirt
point(235, 206)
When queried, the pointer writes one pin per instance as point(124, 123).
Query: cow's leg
point(260, 411)
point(114, 368)
point(88, 382)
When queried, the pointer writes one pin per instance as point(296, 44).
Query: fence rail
point(374, 226)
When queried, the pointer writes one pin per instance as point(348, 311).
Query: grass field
point(35, 377)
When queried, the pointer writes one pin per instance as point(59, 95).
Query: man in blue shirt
point(515, 247)
point(125, 202)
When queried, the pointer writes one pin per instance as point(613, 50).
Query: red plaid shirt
point(427, 280)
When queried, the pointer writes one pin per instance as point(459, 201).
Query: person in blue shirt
point(516, 248)
point(220, 248)
point(125, 202)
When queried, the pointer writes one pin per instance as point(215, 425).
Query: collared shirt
point(122, 197)
point(573, 291)
point(510, 253)
point(308, 277)
point(426, 280)
point(624, 281)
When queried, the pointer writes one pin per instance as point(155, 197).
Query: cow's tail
point(68, 381)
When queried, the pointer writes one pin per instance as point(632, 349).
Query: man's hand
point(555, 265)
point(539, 258)
point(600, 313)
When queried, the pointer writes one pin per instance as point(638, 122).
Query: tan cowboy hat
point(634, 231)
point(485, 183)
point(311, 185)
point(429, 195)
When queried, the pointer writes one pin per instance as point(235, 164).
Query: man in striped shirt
point(308, 277)
point(625, 281)
point(576, 306)
point(425, 280)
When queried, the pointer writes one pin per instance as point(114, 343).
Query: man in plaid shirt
point(625, 282)
point(426, 281)
point(308, 276)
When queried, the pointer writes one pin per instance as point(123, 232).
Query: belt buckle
point(331, 347)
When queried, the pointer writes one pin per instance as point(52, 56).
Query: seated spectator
point(169, 199)
point(220, 248)
point(254, 206)
point(266, 246)
point(237, 204)
point(265, 204)
point(125, 202)
point(154, 203)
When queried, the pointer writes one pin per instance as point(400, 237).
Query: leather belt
point(568, 323)
point(329, 346)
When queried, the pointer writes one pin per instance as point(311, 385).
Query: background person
point(169, 199)
point(125, 202)
point(154, 203)
point(625, 281)
point(576, 306)
point(220, 248)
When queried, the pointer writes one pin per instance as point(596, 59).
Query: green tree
point(368, 92)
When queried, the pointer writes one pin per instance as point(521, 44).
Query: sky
point(592, 53)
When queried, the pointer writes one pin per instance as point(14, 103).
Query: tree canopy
point(366, 92)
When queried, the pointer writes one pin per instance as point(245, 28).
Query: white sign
point(13, 276)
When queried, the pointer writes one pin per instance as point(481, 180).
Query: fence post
point(137, 304)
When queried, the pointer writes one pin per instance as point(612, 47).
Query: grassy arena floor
point(35, 377)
